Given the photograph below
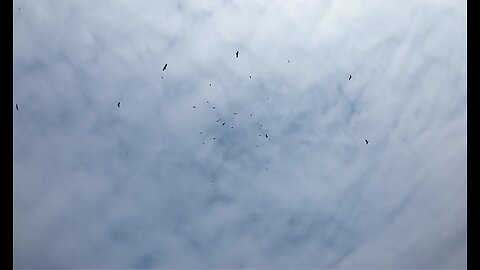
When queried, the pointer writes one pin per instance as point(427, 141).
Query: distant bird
point(349, 78)
point(237, 54)
point(210, 84)
point(250, 77)
point(203, 143)
point(207, 101)
point(164, 67)
point(266, 136)
point(219, 120)
point(161, 76)
point(118, 104)
point(214, 138)
point(288, 61)
point(213, 107)
point(251, 114)
point(234, 113)
point(16, 106)
point(261, 125)
point(231, 127)
point(223, 124)
point(366, 142)
point(194, 107)
point(201, 132)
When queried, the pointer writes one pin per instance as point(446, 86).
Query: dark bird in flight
point(366, 142)
point(288, 61)
point(234, 113)
point(214, 138)
point(161, 76)
point(266, 136)
point(210, 84)
point(349, 78)
point(194, 107)
point(231, 127)
point(213, 107)
point(201, 132)
point(251, 114)
point(237, 54)
point(203, 143)
point(219, 120)
point(223, 124)
point(250, 76)
point(207, 101)
point(118, 104)
point(16, 106)
point(164, 67)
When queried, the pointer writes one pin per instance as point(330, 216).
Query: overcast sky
point(146, 185)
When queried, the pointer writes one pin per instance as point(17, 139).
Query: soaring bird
point(210, 84)
point(161, 76)
point(164, 67)
point(219, 120)
point(213, 107)
point(251, 114)
point(366, 142)
point(194, 107)
point(237, 54)
point(349, 78)
point(16, 106)
point(207, 101)
point(234, 113)
point(266, 136)
point(250, 76)
point(223, 124)
point(118, 104)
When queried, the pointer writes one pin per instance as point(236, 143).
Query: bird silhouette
point(118, 104)
point(207, 101)
point(251, 114)
point(234, 113)
point(237, 54)
point(201, 132)
point(164, 67)
point(366, 142)
point(214, 138)
point(349, 78)
point(219, 120)
point(250, 77)
point(210, 84)
point(16, 106)
point(266, 136)
point(223, 124)
point(213, 107)
point(161, 76)
point(194, 107)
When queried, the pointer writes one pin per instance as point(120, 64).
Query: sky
point(160, 182)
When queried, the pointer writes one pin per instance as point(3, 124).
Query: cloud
point(146, 185)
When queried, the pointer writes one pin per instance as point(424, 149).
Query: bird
point(266, 136)
point(251, 114)
point(213, 107)
point(203, 143)
point(16, 106)
point(288, 61)
point(223, 124)
point(237, 54)
point(201, 132)
point(366, 142)
point(161, 76)
point(164, 67)
point(219, 120)
point(231, 127)
point(210, 84)
point(118, 104)
point(250, 76)
point(207, 101)
point(194, 107)
point(349, 78)
point(214, 138)
point(234, 113)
